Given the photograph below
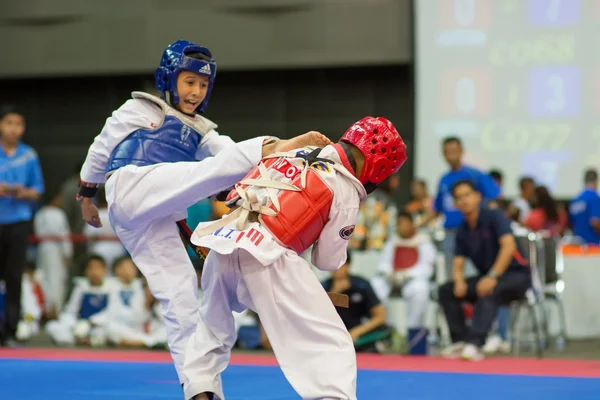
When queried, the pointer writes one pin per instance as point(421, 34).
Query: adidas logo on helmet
point(205, 69)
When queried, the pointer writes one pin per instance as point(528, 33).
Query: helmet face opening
point(383, 149)
point(184, 56)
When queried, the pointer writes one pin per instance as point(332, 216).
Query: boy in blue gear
point(146, 153)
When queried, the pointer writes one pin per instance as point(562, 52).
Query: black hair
point(452, 139)
point(525, 180)
point(464, 182)
point(547, 203)
point(9, 109)
point(590, 176)
point(406, 215)
point(496, 175)
point(94, 257)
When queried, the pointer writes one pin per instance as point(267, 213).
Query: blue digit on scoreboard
point(554, 91)
point(553, 12)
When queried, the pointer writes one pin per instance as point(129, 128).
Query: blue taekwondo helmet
point(175, 60)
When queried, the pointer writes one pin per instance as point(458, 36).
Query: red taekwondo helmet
point(381, 145)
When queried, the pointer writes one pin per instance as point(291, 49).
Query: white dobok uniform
point(250, 267)
point(408, 263)
point(144, 202)
point(51, 226)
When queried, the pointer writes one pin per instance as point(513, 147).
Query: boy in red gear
point(289, 202)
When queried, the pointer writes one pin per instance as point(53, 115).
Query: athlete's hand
point(4, 190)
point(90, 212)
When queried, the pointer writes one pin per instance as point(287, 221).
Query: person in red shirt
point(547, 214)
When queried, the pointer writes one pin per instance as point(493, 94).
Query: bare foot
point(311, 138)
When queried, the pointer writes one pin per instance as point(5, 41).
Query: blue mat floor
point(75, 380)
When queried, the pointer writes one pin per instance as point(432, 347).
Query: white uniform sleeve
point(132, 115)
point(423, 269)
point(329, 252)
point(211, 144)
point(386, 260)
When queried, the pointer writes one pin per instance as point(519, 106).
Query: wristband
point(87, 190)
point(492, 274)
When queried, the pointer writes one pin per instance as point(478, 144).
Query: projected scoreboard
point(518, 80)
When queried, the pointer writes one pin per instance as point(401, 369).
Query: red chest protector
point(304, 213)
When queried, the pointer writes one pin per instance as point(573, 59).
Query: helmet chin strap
point(370, 187)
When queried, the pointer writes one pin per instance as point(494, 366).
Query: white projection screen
point(517, 80)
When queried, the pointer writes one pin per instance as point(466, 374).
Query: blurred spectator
point(547, 214)
point(104, 241)
point(585, 210)
point(89, 297)
point(21, 184)
point(129, 318)
point(420, 204)
point(444, 202)
point(376, 218)
point(202, 211)
point(32, 305)
point(365, 319)
point(526, 197)
point(486, 238)
point(498, 177)
point(69, 190)
point(405, 268)
point(54, 251)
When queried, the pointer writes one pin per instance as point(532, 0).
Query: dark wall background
point(65, 114)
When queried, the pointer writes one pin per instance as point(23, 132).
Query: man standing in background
point(585, 210)
point(21, 184)
point(444, 202)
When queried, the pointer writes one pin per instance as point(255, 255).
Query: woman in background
point(547, 214)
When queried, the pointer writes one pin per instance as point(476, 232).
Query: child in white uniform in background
point(32, 306)
point(54, 252)
point(290, 201)
point(88, 298)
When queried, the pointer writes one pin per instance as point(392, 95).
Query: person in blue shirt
point(444, 203)
point(21, 184)
point(585, 210)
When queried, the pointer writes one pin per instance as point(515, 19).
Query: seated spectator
point(365, 319)
point(139, 323)
point(498, 178)
point(104, 241)
point(526, 197)
point(486, 239)
point(32, 306)
point(406, 267)
point(54, 251)
point(585, 210)
point(421, 204)
point(89, 297)
point(547, 214)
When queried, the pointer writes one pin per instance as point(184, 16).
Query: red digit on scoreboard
point(464, 14)
point(465, 92)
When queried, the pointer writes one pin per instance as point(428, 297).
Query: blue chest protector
point(126, 295)
point(172, 141)
point(92, 303)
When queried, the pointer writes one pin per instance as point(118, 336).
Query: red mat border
point(503, 366)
